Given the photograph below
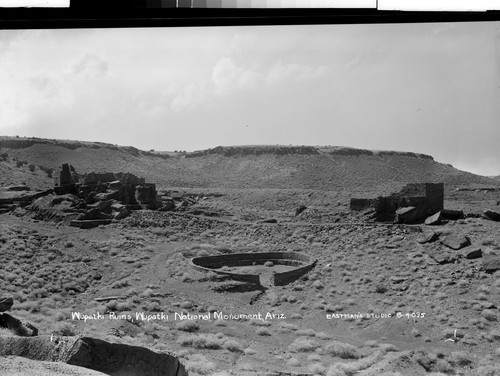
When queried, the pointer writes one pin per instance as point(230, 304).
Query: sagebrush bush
point(187, 326)
point(303, 344)
point(342, 350)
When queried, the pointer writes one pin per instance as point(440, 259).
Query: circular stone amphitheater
point(265, 268)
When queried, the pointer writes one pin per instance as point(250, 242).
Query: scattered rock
point(18, 188)
point(6, 303)
point(452, 215)
point(433, 219)
point(491, 263)
point(270, 220)
point(472, 254)
point(407, 214)
point(300, 209)
point(492, 215)
point(442, 256)
point(16, 326)
point(427, 237)
point(456, 242)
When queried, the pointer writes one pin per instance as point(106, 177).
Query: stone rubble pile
point(100, 198)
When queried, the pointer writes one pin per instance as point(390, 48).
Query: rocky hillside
point(32, 160)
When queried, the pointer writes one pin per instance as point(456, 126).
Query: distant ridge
point(331, 168)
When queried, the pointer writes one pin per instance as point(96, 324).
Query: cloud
point(189, 97)
point(89, 66)
point(294, 72)
point(227, 76)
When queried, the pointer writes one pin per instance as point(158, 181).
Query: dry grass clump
point(317, 369)
point(259, 323)
point(210, 341)
point(202, 341)
point(286, 326)
point(306, 332)
point(293, 362)
point(187, 326)
point(263, 332)
point(342, 350)
point(199, 364)
point(233, 345)
point(303, 344)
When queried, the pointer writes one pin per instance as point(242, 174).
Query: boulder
point(408, 214)
point(167, 205)
point(472, 253)
point(434, 219)
point(18, 188)
point(427, 237)
point(16, 326)
point(270, 220)
point(456, 242)
point(108, 195)
point(491, 263)
point(492, 215)
point(95, 354)
point(122, 213)
point(102, 206)
point(442, 256)
point(300, 209)
point(452, 215)
point(6, 303)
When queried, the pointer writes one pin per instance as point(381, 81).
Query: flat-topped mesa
point(424, 198)
point(247, 150)
point(231, 151)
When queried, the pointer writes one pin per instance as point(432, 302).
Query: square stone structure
point(428, 198)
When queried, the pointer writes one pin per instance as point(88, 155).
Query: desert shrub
point(489, 315)
point(303, 344)
point(460, 358)
point(259, 323)
point(64, 329)
point(284, 326)
point(294, 362)
point(249, 351)
point(4, 156)
point(317, 369)
point(233, 345)
point(199, 364)
point(306, 332)
point(263, 332)
point(31, 167)
point(187, 326)
point(342, 350)
point(381, 288)
point(201, 341)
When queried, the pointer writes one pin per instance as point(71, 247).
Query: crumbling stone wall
point(428, 198)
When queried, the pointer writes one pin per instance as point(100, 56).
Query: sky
point(428, 88)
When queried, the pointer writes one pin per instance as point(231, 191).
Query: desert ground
point(379, 300)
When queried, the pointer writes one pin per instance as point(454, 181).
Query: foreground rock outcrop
point(19, 366)
point(95, 354)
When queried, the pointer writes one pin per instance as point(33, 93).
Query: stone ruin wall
point(428, 198)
